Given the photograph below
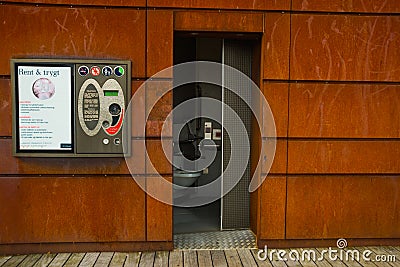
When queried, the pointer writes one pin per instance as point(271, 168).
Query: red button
point(95, 71)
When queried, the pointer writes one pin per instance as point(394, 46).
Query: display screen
point(111, 93)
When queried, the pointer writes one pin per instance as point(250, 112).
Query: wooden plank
point(326, 257)
point(104, 259)
point(218, 21)
point(292, 259)
point(176, 258)
point(307, 262)
point(321, 261)
point(147, 259)
point(347, 54)
point(132, 259)
point(74, 260)
point(375, 252)
point(392, 251)
point(14, 261)
point(89, 259)
point(395, 248)
point(275, 261)
point(232, 257)
point(246, 257)
point(353, 261)
point(3, 259)
point(204, 258)
point(45, 260)
point(218, 258)
point(261, 262)
point(118, 259)
point(30, 260)
point(60, 259)
point(190, 258)
point(161, 259)
point(376, 249)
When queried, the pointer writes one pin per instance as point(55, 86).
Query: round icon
point(83, 70)
point(107, 71)
point(119, 71)
point(95, 71)
point(43, 88)
point(114, 109)
point(106, 141)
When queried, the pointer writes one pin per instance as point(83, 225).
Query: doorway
point(232, 211)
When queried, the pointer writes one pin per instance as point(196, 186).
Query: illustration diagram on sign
point(43, 88)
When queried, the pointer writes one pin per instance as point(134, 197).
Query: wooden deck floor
point(189, 258)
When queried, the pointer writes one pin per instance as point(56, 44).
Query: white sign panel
point(44, 107)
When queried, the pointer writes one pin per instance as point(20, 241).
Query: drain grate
point(216, 240)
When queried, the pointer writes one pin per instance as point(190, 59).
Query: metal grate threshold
point(232, 239)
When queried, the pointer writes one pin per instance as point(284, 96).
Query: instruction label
point(44, 107)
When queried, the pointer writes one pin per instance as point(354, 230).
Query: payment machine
point(71, 108)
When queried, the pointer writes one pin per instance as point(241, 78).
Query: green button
point(119, 71)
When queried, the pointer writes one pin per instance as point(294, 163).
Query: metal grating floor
point(216, 240)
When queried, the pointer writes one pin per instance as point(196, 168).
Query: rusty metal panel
point(72, 32)
point(342, 206)
point(160, 37)
point(277, 96)
point(134, 3)
point(76, 166)
point(339, 156)
point(157, 162)
point(275, 45)
point(221, 4)
point(159, 214)
point(5, 107)
point(218, 21)
point(158, 114)
point(138, 109)
point(344, 110)
point(345, 48)
point(71, 209)
point(280, 160)
point(255, 213)
point(371, 6)
point(273, 208)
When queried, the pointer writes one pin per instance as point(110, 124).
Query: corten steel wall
point(86, 203)
point(332, 81)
